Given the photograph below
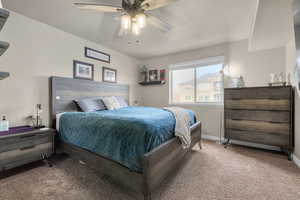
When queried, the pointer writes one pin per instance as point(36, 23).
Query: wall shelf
point(3, 75)
point(152, 83)
point(4, 14)
point(3, 47)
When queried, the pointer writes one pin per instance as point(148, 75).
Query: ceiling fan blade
point(154, 4)
point(130, 2)
point(99, 7)
point(158, 23)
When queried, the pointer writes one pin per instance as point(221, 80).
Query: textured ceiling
point(197, 23)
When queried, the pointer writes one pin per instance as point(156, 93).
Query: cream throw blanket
point(182, 127)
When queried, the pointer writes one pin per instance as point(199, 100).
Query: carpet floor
point(213, 173)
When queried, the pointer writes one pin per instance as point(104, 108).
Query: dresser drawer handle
point(26, 148)
point(27, 136)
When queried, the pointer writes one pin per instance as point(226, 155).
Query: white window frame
point(196, 64)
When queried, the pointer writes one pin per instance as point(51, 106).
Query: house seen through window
point(197, 83)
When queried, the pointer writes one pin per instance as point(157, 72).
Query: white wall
point(255, 67)
point(39, 51)
point(270, 30)
point(291, 56)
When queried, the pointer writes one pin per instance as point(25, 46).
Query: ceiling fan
point(135, 14)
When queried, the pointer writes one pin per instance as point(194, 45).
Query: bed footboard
point(165, 159)
point(157, 164)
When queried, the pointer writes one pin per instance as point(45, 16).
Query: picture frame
point(153, 75)
point(109, 75)
point(96, 55)
point(83, 70)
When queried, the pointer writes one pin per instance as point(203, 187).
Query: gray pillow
point(90, 104)
point(122, 101)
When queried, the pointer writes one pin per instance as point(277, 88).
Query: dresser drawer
point(259, 93)
point(21, 141)
point(261, 115)
point(25, 153)
point(258, 126)
point(274, 139)
point(258, 104)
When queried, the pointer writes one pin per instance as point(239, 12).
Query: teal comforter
point(122, 135)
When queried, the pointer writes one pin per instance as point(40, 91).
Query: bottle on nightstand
point(4, 124)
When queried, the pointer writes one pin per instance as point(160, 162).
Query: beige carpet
point(213, 173)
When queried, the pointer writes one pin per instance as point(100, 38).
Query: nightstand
point(22, 148)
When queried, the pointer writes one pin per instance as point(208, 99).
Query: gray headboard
point(64, 90)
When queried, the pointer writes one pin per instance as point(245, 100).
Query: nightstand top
point(35, 131)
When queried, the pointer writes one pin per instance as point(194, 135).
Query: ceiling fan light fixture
point(141, 20)
point(136, 30)
point(126, 22)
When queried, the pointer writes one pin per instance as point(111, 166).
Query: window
point(197, 82)
point(183, 85)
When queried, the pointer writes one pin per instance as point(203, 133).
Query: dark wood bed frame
point(157, 165)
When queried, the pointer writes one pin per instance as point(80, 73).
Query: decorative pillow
point(111, 103)
point(122, 101)
point(90, 104)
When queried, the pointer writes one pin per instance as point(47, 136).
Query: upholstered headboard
point(64, 90)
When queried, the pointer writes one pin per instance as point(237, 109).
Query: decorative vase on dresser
point(261, 115)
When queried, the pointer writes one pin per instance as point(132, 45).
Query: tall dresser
point(262, 115)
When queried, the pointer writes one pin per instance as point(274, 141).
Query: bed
point(137, 167)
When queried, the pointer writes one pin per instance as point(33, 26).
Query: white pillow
point(111, 103)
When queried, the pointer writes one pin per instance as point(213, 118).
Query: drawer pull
point(26, 148)
point(27, 136)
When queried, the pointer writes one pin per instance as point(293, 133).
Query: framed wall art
point(82, 70)
point(96, 55)
point(109, 75)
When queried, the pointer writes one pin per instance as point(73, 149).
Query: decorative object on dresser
point(96, 55)
point(83, 70)
point(4, 124)
point(22, 145)
point(277, 80)
point(37, 121)
point(109, 75)
point(233, 82)
point(263, 115)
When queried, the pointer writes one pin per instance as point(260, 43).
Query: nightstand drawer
point(30, 152)
point(22, 141)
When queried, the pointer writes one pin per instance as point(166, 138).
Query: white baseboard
point(249, 144)
point(216, 138)
point(296, 160)
point(211, 137)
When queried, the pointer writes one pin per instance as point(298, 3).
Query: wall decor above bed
point(83, 70)
point(109, 75)
point(97, 55)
